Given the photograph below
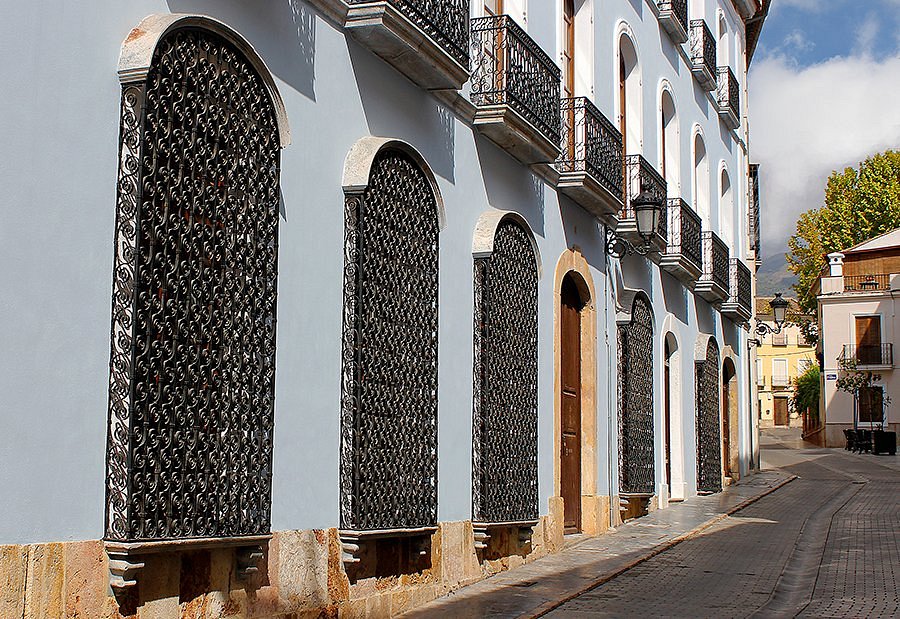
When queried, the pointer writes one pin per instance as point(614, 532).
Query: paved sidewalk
point(538, 587)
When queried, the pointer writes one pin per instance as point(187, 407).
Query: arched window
point(629, 96)
point(709, 437)
point(726, 208)
point(390, 342)
point(723, 48)
point(504, 458)
point(194, 305)
point(669, 145)
point(701, 181)
point(636, 442)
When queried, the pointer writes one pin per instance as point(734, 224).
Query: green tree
point(806, 393)
point(859, 204)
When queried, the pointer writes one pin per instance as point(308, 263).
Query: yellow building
point(780, 358)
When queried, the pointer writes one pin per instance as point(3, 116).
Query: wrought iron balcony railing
point(739, 305)
point(510, 69)
point(641, 176)
point(684, 250)
point(871, 282)
point(779, 339)
point(590, 143)
point(445, 21)
point(729, 98)
point(713, 283)
point(703, 54)
point(673, 16)
point(779, 380)
point(874, 355)
point(754, 223)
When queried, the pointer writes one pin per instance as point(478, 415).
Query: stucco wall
point(58, 169)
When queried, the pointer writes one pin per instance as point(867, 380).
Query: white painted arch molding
point(358, 167)
point(486, 231)
point(136, 55)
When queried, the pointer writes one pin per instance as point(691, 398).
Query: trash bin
point(884, 442)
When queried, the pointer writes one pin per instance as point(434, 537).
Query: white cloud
point(867, 35)
point(808, 121)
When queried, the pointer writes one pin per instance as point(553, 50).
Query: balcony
point(673, 17)
point(728, 98)
point(515, 90)
point(426, 40)
point(590, 165)
point(870, 282)
point(703, 55)
point(869, 357)
point(781, 381)
point(641, 176)
point(779, 339)
point(753, 214)
point(713, 284)
point(684, 250)
point(739, 305)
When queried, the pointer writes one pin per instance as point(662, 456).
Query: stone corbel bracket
point(353, 542)
point(128, 559)
point(482, 531)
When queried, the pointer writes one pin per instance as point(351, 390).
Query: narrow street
point(825, 544)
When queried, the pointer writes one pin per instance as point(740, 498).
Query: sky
point(824, 94)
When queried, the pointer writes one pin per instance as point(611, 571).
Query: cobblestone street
point(823, 545)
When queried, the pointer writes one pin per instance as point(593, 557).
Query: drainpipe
point(609, 395)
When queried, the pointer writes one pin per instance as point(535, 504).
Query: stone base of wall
point(301, 575)
point(834, 433)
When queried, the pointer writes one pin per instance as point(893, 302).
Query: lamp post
point(779, 307)
point(647, 208)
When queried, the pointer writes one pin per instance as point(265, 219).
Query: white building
point(858, 322)
point(424, 195)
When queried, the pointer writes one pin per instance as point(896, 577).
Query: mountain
point(773, 276)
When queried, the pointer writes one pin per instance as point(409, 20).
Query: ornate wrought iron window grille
point(445, 21)
point(635, 387)
point(192, 368)
point(504, 466)
point(709, 435)
point(511, 69)
point(390, 343)
point(590, 143)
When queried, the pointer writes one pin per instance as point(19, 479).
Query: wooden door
point(868, 339)
point(570, 407)
point(568, 48)
point(781, 411)
point(493, 7)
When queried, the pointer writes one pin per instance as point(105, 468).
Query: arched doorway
point(637, 478)
point(571, 305)
point(729, 419)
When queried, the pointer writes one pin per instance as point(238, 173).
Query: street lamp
point(647, 209)
point(779, 311)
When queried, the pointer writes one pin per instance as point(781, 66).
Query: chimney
point(836, 264)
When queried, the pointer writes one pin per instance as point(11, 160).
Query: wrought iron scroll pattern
point(728, 91)
point(390, 340)
point(703, 47)
point(590, 143)
point(509, 68)
point(740, 285)
point(445, 21)
point(636, 443)
point(709, 448)
point(685, 228)
point(715, 259)
point(505, 390)
point(194, 302)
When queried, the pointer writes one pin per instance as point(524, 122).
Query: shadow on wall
point(637, 273)
point(706, 317)
point(284, 34)
point(395, 107)
point(509, 185)
point(675, 297)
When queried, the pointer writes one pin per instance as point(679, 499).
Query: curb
point(547, 607)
